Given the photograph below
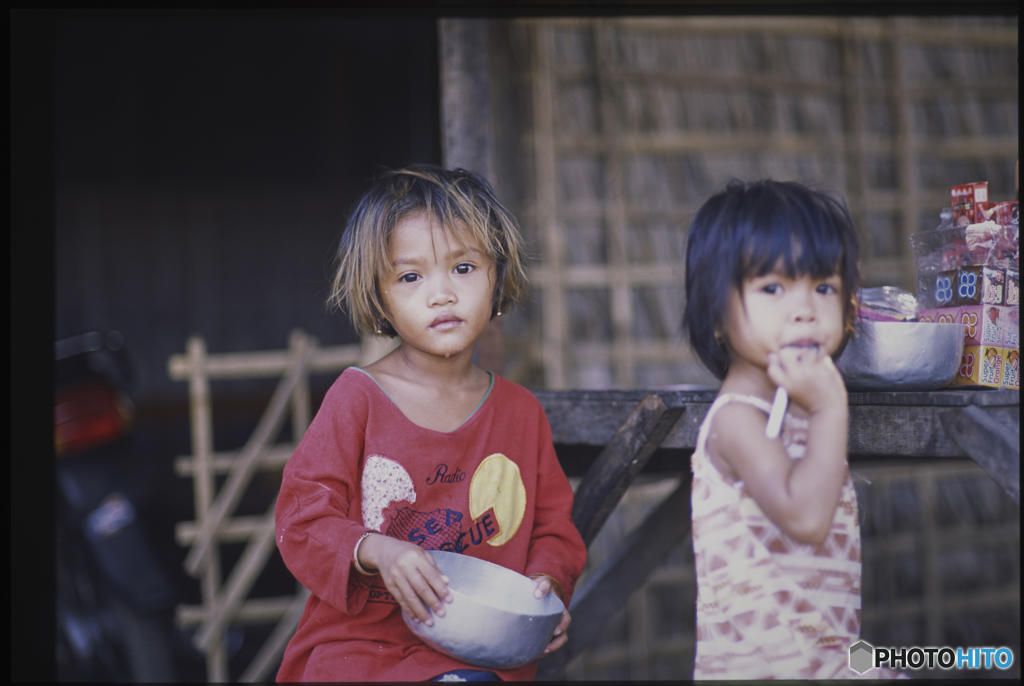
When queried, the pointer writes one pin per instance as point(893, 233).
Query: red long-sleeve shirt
point(492, 488)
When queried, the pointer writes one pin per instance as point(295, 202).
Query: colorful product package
point(968, 272)
point(991, 354)
point(980, 285)
point(952, 263)
point(981, 365)
point(1011, 368)
point(983, 324)
point(964, 200)
point(1011, 327)
point(942, 315)
point(1011, 295)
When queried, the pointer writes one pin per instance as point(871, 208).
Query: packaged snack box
point(1011, 295)
point(983, 324)
point(981, 365)
point(942, 315)
point(1011, 327)
point(993, 285)
point(1011, 368)
point(978, 285)
point(964, 200)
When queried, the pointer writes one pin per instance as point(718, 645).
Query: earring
point(498, 314)
point(719, 338)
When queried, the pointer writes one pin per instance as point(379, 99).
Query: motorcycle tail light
point(88, 416)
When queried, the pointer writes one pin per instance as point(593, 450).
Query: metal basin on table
point(885, 355)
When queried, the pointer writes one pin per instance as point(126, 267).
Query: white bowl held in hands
point(494, 620)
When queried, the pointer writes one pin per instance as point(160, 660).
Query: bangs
point(456, 209)
point(797, 238)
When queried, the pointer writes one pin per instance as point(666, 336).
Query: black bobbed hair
point(748, 229)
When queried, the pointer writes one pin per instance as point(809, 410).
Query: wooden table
point(608, 437)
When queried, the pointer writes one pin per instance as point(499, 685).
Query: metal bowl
point(494, 620)
point(885, 355)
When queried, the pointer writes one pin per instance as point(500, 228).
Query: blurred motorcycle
point(115, 600)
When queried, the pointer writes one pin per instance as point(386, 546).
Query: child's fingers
point(542, 588)
point(556, 643)
point(564, 624)
point(434, 588)
point(418, 600)
point(808, 374)
point(416, 583)
point(560, 635)
point(409, 600)
point(430, 586)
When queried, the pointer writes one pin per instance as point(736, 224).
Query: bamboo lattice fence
point(225, 600)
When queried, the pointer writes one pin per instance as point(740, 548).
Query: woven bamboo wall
point(605, 136)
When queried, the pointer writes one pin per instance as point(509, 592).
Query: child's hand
point(409, 573)
point(544, 586)
point(559, 637)
point(809, 376)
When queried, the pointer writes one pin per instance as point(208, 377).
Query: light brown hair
point(455, 198)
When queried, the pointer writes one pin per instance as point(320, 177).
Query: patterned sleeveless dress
point(769, 606)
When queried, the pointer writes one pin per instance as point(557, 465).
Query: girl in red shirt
point(421, 449)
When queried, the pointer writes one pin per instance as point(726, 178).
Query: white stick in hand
point(774, 425)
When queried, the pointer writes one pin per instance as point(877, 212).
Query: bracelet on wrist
point(355, 555)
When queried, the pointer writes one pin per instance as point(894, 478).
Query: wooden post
point(618, 284)
point(202, 450)
point(619, 462)
point(555, 311)
point(853, 107)
point(906, 146)
point(468, 128)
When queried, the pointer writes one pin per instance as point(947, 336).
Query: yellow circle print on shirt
point(497, 483)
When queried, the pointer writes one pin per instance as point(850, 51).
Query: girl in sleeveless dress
point(770, 284)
